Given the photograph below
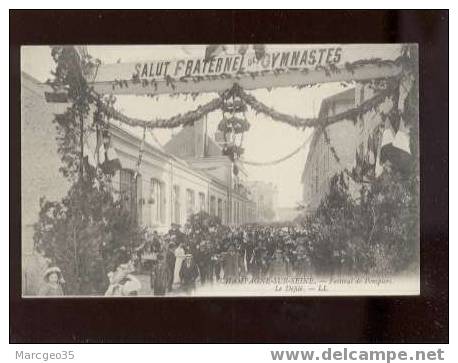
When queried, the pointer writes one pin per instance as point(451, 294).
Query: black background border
point(422, 319)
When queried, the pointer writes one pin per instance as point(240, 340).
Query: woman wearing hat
point(122, 282)
point(53, 281)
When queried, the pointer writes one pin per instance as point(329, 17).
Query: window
point(224, 217)
point(325, 163)
point(316, 177)
point(328, 156)
point(333, 109)
point(130, 193)
point(236, 212)
point(202, 202)
point(212, 205)
point(190, 202)
point(361, 95)
point(220, 209)
point(157, 201)
point(176, 205)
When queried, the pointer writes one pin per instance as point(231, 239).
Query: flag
point(111, 163)
point(397, 152)
point(387, 139)
point(402, 141)
point(90, 149)
point(213, 50)
point(242, 49)
point(405, 85)
point(259, 50)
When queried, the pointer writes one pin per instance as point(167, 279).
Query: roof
point(150, 141)
point(34, 83)
point(26, 76)
point(186, 136)
point(347, 95)
point(137, 133)
point(150, 138)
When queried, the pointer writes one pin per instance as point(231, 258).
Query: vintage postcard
point(220, 170)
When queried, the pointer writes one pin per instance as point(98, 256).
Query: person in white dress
point(180, 255)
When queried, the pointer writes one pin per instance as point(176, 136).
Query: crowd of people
point(179, 261)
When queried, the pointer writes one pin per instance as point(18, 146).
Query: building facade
point(166, 190)
point(169, 187)
point(201, 152)
point(347, 137)
point(265, 197)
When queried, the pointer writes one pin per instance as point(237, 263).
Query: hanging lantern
point(233, 126)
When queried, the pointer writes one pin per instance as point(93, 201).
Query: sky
point(266, 140)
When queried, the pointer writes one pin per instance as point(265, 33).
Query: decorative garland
point(244, 98)
point(296, 121)
point(278, 161)
point(335, 156)
point(140, 153)
point(192, 116)
point(351, 174)
point(179, 120)
point(233, 123)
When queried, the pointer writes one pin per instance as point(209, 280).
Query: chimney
point(200, 137)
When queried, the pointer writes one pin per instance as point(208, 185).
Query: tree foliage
point(89, 232)
point(377, 232)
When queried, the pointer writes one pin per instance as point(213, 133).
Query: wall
point(170, 171)
point(40, 174)
point(265, 196)
point(345, 136)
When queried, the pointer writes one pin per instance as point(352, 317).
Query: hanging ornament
point(108, 158)
point(140, 153)
point(395, 150)
point(235, 170)
point(233, 125)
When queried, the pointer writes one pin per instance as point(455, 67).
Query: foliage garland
point(277, 161)
point(179, 120)
point(192, 116)
point(295, 121)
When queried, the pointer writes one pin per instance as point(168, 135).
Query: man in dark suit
point(188, 274)
point(170, 262)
